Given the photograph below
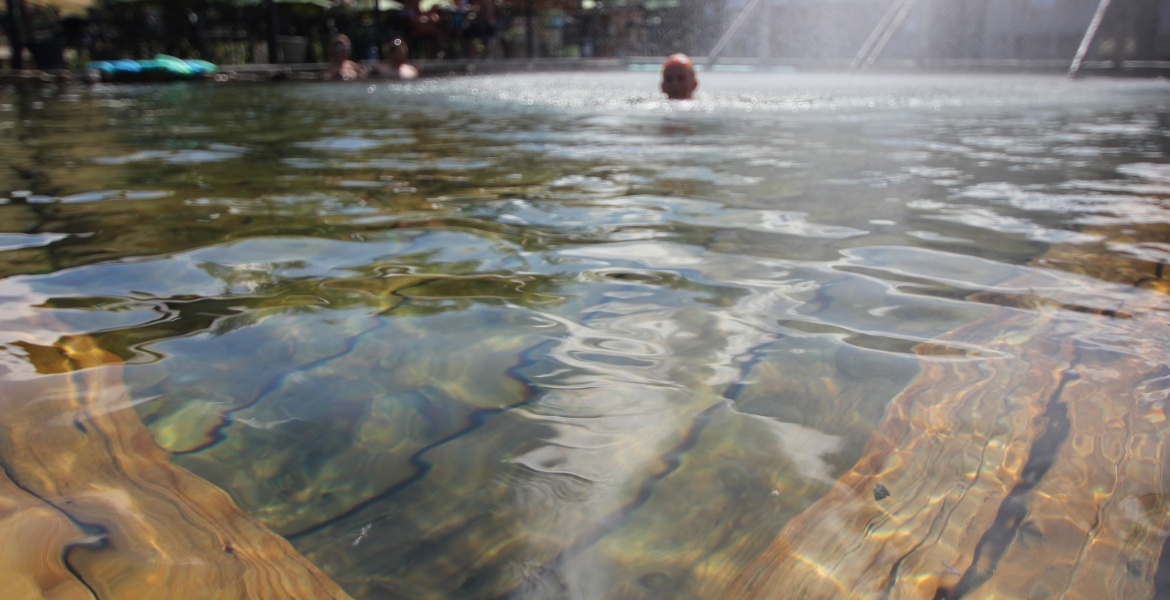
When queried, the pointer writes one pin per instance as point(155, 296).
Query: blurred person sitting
point(395, 65)
point(429, 31)
point(678, 77)
point(340, 66)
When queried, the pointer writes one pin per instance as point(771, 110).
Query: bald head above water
point(678, 77)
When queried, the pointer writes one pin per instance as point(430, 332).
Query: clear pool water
point(549, 336)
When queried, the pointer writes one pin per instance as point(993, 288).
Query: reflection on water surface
point(550, 337)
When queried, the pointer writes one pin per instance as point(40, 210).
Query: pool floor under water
point(548, 336)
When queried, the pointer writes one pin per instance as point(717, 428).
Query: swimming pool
point(548, 336)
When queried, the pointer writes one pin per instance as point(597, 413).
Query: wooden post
point(14, 37)
point(529, 33)
point(378, 28)
point(1087, 41)
point(273, 31)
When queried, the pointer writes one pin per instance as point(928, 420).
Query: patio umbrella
point(321, 3)
point(382, 5)
point(67, 8)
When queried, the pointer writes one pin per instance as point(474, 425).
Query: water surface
point(548, 336)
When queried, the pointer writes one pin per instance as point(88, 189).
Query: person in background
point(678, 77)
point(429, 31)
point(340, 66)
point(395, 65)
point(480, 26)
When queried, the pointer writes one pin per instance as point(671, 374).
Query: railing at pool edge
point(451, 67)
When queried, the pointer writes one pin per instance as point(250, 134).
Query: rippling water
point(548, 336)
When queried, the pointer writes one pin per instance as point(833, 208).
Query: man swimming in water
point(395, 65)
point(678, 77)
point(340, 66)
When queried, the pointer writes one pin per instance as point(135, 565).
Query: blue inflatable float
point(160, 68)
